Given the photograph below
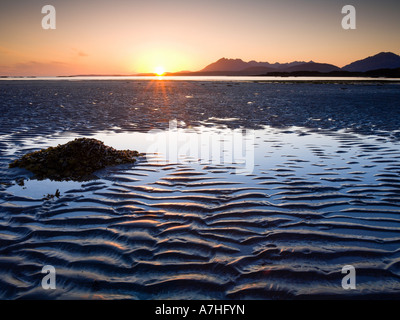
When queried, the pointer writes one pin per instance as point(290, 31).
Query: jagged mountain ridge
point(383, 60)
point(225, 64)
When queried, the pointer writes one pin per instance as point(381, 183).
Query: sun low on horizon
point(159, 71)
point(159, 58)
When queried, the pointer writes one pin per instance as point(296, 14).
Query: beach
point(313, 187)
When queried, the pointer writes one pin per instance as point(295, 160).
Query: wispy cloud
point(10, 52)
point(82, 54)
point(37, 68)
point(79, 53)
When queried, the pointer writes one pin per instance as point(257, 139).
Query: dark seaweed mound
point(75, 160)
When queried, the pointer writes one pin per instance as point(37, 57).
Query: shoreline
point(266, 79)
point(89, 106)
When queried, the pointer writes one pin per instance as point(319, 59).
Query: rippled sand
point(315, 200)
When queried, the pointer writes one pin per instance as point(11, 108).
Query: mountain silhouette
point(224, 64)
point(241, 67)
point(313, 66)
point(383, 60)
point(384, 64)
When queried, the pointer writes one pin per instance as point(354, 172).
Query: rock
point(75, 160)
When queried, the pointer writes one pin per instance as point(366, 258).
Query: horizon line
point(189, 71)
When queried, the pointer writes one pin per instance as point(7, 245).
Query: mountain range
point(381, 64)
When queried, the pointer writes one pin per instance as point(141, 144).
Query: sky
point(136, 36)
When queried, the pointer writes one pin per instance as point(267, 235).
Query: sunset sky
point(132, 36)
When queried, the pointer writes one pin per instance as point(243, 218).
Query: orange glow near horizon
point(187, 35)
point(159, 71)
point(159, 57)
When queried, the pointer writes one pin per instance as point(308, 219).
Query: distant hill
point(238, 66)
point(384, 64)
point(255, 70)
point(383, 60)
point(226, 65)
point(384, 73)
point(313, 66)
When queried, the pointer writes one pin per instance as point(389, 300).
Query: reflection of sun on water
point(159, 71)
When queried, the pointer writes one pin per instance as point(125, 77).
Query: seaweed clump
point(76, 160)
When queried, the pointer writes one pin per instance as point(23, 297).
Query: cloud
point(79, 53)
point(10, 52)
point(4, 50)
point(82, 54)
point(35, 68)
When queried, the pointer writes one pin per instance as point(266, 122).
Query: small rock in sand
point(75, 160)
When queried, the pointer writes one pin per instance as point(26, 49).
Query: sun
point(159, 71)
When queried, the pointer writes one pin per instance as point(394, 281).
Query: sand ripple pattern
point(196, 230)
point(316, 201)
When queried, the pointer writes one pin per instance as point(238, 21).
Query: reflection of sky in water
point(293, 153)
point(314, 202)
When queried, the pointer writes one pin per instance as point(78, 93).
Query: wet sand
point(324, 192)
